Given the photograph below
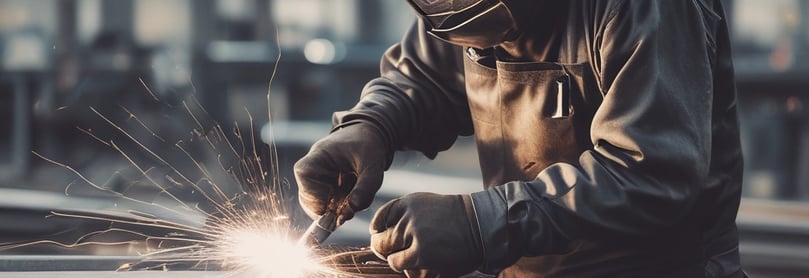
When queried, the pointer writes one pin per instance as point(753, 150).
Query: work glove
point(428, 235)
point(348, 162)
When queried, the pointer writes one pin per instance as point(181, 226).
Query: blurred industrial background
point(58, 58)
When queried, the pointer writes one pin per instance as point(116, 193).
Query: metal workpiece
point(346, 261)
point(25, 263)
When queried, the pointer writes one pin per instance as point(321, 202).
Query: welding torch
point(322, 227)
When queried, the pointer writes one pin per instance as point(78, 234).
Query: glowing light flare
point(323, 51)
point(267, 254)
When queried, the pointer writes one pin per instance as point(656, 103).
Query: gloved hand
point(428, 235)
point(352, 158)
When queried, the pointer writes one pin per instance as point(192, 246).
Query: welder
point(606, 130)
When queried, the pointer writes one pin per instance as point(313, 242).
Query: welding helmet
point(475, 23)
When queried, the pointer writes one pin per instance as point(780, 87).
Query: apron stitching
point(500, 118)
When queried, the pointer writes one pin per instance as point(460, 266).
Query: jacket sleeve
point(419, 100)
point(651, 137)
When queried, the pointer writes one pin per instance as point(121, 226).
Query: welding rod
point(320, 229)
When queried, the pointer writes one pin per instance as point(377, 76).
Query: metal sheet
point(24, 263)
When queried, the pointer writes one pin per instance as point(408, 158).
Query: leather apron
point(530, 115)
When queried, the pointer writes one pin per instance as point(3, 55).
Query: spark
point(247, 234)
point(154, 96)
point(247, 229)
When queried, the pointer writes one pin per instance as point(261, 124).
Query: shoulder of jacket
point(614, 7)
point(602, 11)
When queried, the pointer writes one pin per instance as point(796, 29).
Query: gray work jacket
point(617, 156)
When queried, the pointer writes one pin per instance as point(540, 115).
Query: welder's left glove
point(425, 234)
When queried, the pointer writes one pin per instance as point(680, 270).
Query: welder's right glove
point(352, 159)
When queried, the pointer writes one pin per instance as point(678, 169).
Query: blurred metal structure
point(771, 39)
point(775, 238)
point(16, 139)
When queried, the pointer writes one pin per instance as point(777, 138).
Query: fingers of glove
point(387, 234)
point(387, 216)
point(404, 259)
point(369, 180)
point(415, 264)
point(339, 203)
point(388, 242)
point(312, 204)
point(421, 273)
point(315, 184)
